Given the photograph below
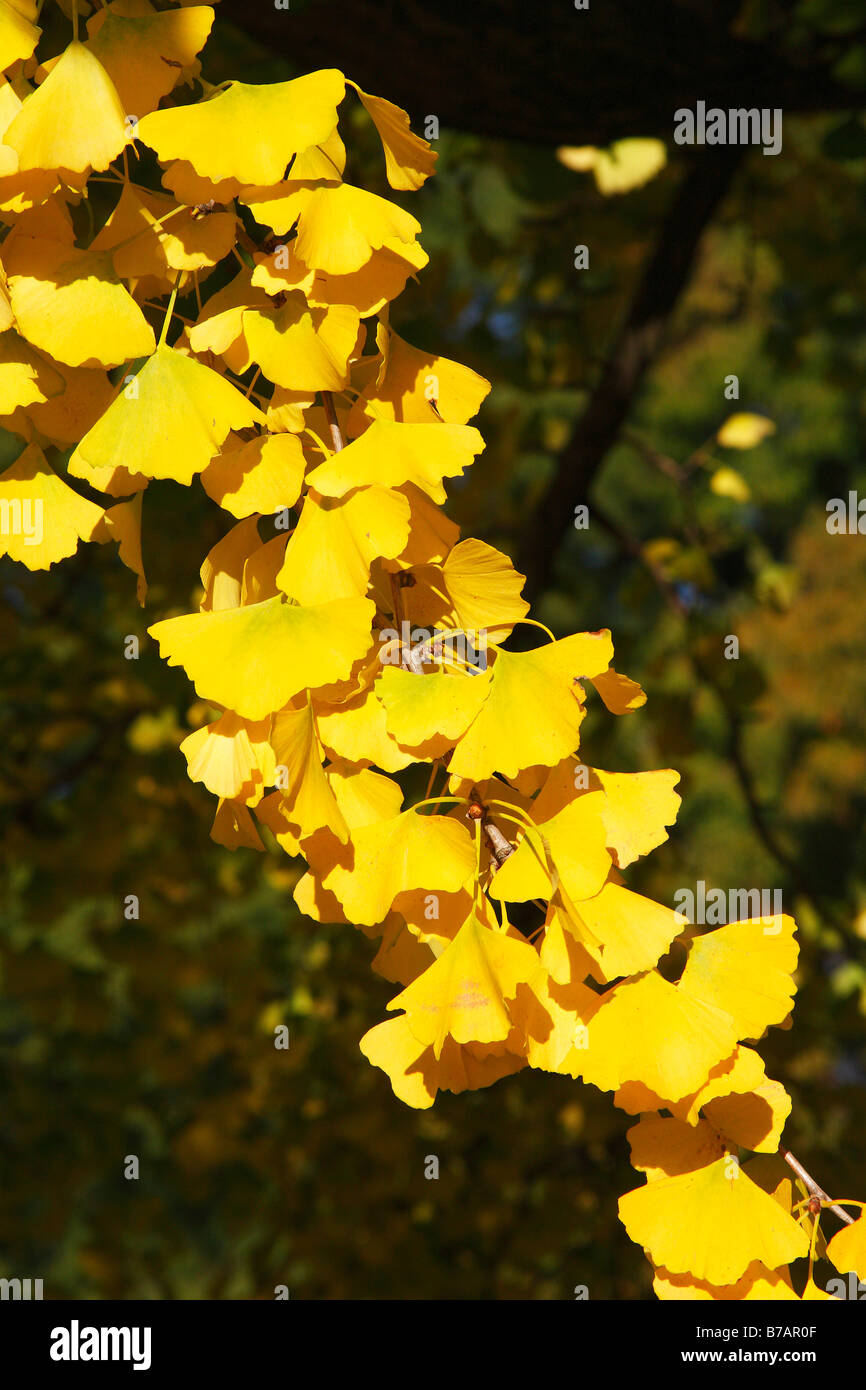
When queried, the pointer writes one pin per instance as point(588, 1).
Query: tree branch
point(635, 349)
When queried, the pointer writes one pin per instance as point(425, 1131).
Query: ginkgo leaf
point(662, 1147)
point(356, 731)
point(649, 1030)
point(391, 454)
point(220, 325)
point(234, 828)
point(623, 932)
point(223, 569)
point(213, 135)
point(753, 1119)
point(308, 799)
point(466, 993)
point(169, 421)
point(747, 969)
point(847, 1249)
point(123, 524)
point(418, 388)
point(18, 36)
point(712, 1223)
point(64, 418)
point(307, 350)
point(75, 121)
point(409, 160)
point(620, 694)
point(415, 1073)
point(745, 430)
point(339, 226)
point(71, 303)
point(336, 540)
point(741, 1072)
point(757, 1284)
point(253, 660)
point(25, 376)
point(566, 852)
point(624, 165)
point(41, 518)
point(542, 686)
point(477, 588)
point(638, 808)
point(368, 289)
point(262, 476)
point(143, 51)
point(232, 757)
point(142, 245)
point(395, 855)
point(420, 708)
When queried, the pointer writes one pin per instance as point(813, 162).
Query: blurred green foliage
point(155, 1037)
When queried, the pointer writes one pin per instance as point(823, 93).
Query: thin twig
point(333, 423)
point(814, 1189)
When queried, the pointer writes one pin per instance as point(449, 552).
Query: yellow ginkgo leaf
point(415, 1073)
point(847, 1249)
point(262, 476)
point(143, 51)
point(142, 246)
point(213, 135)
point(476, 589)
point(620, 694)
point(41, 518)
point(418, 388)
point(649, 1030)
point(232, 757)
point(409, 160)
point(401, 957)
point(437, 707)
point(566, 853)
point(468, 994)
point(253, 660)
point(727, 482)
point(339, 226)
point(234, 828)
point(638, 808)
point(395, 855)
point(757, 1284)
point(356, 731)
point(71, 303)
point(712, 1223)
point(75, 121)
point(753, 1119)
point(26, 378)
point(308, 799)
point(744, 430)
point(741, 1072)
point(368, 289)
point(433, 534)
point(307, 350)
point(543, 686)
point(220, 325)
point(64, 418)
point(392, 454)
point(18, 36)
point(624, 165)
point(336, 540)
point(223, 568)
point(123, 524)
point(747, 969)
point(169, 421)
point(662, 1147)
point(622, 932)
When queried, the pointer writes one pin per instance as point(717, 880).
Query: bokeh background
point(155, 1037)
